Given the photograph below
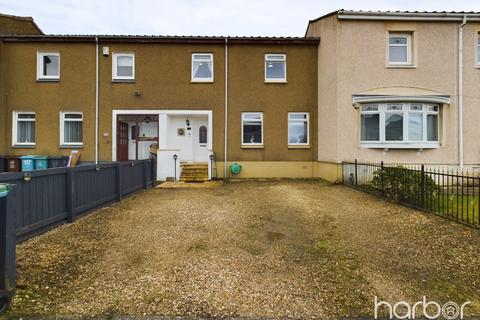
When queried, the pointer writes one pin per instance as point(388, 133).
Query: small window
point(298, 128)
point(123, 66)
point(202, 135)
point(71, 129)
point(400, 49)
point(252, 128)
point(24, 128)
point(48, 66)
point(275, 68)
point(202, 67)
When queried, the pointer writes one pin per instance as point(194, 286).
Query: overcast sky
point(201, 17)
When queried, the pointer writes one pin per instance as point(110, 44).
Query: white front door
point(200, 139)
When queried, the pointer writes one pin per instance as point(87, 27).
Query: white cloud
point(201, 17)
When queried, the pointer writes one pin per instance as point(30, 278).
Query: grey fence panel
point(93, 186)
point(133, 176)
point(41, 201)
point(7, 249)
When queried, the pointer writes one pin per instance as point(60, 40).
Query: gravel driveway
point(300, 249)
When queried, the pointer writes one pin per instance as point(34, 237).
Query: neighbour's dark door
point(122, 141)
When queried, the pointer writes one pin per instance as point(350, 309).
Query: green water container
point(4, 190)
point(235, 168)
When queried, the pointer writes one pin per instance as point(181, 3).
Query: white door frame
point(159, 112)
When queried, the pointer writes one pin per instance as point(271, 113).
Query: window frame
point(307, 120)
point(252, 144)
point(15, 121)
point(62, 129)
point(284, 60)
point(115, 76)
point(406, 111)
point(408, 45)
point(40, 76)
point(207, 80)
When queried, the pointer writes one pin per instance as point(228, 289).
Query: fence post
point(145, 174)
point(153, 172)
point(356, 172)
point(118, 171)
point(8, 261)
point(382, 179)
point(422, 184)
point(70, 194)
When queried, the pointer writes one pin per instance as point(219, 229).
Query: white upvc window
point(399, 125)
point(71, 128)
point(23, 129)
point(252, 128)
point(123, 66)
point(275, 67)
point(400, 49)
point(298, 129)
point(478, 50)
point(48, 66)
point(202, 67)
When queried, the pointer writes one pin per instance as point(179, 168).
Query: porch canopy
point(400, 94)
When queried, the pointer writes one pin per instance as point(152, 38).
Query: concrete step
point(198, 179)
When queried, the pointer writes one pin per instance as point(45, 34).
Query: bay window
point(402, 125)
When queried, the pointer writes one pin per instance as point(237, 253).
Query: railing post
point(145, 174)
point(356, 172)
point(118, 171)
point(70, 201)
point(7, 247)
point(422, 185)
point(382, 179)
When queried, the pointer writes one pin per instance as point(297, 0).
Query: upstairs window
point(123, 66)
point(202, 67)
point(24, 128)
point(48, 66)
point(400, 49)
point(252, 128)
point(298, 128)
point(71, 129)
point(275, 68)
point(399, 123)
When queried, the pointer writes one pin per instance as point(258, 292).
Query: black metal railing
point(450, 192)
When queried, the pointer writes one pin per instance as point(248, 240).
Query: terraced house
point(393, 86)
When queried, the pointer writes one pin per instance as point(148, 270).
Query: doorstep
point(190, 185)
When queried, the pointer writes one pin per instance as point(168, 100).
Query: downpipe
point(460, 92)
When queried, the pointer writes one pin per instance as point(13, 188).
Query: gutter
point(226, 113)
point(460, 92)
point(96, 100)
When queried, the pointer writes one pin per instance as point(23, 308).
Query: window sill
point(401, 66)
point(292, 146)
point(48, 79)
point(201, 81)
point(246, 146)
point(24, 146)
point(276, 81)
point(123, 80)
point(400, 145)
point(69, 146)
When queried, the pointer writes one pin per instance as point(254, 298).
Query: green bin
point(41, 162)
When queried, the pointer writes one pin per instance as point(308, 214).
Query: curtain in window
point(50, 65)
point(432, 127)
point(202, 70)
point(73, 132)
point(124, 66)
point(252, 132)
point(393, 127)
point(370, 127)
point(415, 126)
point(26, 131)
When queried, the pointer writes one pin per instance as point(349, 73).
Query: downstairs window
point(401, 125)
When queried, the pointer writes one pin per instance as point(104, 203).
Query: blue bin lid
point(40, 157)
point(4, 189)
point(27, 157)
